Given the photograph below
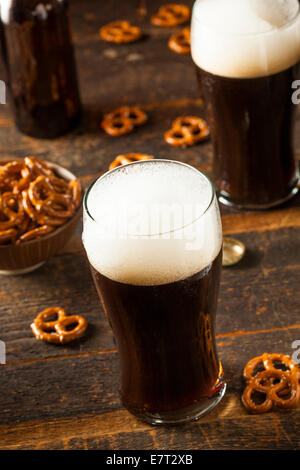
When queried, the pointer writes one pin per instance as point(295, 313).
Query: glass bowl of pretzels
point(40, 208)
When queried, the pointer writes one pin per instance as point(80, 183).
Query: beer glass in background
point(153, 237)
point(247, 55)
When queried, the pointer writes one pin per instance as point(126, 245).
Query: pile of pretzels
point(34, 201)
point(276, 378)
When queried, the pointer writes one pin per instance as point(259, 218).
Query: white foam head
point(151, 222)
point(245, 38)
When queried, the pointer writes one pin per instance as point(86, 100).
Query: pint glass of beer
point(153, 238)
point(247, 55)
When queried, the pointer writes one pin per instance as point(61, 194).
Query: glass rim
point(284, 26)
point(149, 162)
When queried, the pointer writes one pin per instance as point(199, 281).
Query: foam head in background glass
point(247, 56)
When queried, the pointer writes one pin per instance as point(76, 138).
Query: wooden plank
point(85, 383)
point(84, 405)
point(94, 432)
point(261, 292)
point(261, 221)
point(59, 387)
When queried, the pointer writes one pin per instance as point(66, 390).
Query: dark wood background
point(66, 397)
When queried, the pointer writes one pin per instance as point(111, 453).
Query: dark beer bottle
point(40, 66)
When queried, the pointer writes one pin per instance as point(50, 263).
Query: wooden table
point(66, 397)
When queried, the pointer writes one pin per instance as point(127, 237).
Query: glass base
point(187, 414)
point(225, 199)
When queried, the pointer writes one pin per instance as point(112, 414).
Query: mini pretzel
point(58, 185)
point(38, 167)
point(76, 192)
point(181, 42)
point(26, 225)
point(266, 361)
point(66, 335)
point(45, 200)
point(40, 192)
point(128, 158)
point(269, 359)
point(171, 14)
point(280, 387)
point(187, 131)
point(122, 120)
point(261, 383)
point(55, 331)
point(30, 210)
point(59, 206)
point(41, 217)
point(120, 32)
point(35, 233)
point(117, 126)
point(8, 235)
point(14, 176)
point(11, 210)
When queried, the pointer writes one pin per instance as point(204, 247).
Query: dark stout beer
point(247, 120)
point(159, 289)
point(246, 78)
point(40, 67)
point(165, 337)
